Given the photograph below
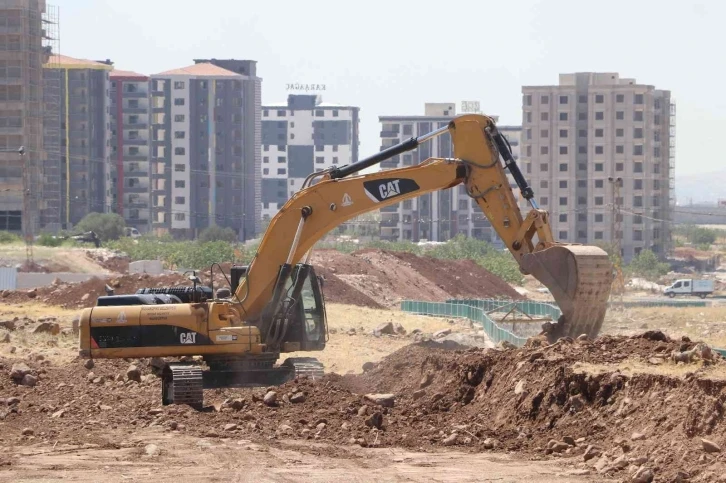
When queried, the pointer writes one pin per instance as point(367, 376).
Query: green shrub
point(6, 238)
point(646, 265)
point(107, 226)
point(48, 240)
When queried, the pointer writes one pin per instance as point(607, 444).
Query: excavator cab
point(311, 323)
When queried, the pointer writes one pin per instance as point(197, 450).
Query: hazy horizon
point(389, 58)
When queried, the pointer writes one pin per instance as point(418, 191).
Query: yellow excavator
point(234, 337)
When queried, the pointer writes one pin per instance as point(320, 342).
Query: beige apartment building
point(597, 145)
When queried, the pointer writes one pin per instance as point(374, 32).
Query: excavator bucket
point(579, 278)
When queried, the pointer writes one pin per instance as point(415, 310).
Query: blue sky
point(389, 58)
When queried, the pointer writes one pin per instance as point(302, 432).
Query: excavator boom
point(579, 277)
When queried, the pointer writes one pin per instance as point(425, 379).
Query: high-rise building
point(595, 145)
point(130, 187)
point(28, 30)
point(205, 148)
point(85, 135)
point(300, 137)
point(441, 215)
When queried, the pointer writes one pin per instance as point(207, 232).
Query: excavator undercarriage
point(275, 305)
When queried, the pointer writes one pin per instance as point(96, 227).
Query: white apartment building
point(441, 215)
point(299, 137)
point(597, 143)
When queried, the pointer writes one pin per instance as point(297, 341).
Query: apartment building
point(130, 187)
point(85, 135)
point(22, 54)
point(299, 137)
point(597, 144)
point(441, 215)
point(205, 163)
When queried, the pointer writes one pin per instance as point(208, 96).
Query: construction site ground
point(641, 403)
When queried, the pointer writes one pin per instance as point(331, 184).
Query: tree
point(107, 226)
point(703, 236)
point(647, 265)
point(217, 233)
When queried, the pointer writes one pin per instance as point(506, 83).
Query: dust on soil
point(542, 402)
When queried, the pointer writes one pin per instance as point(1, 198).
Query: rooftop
point(65, 62)
point(126, 73)
point(201, 70)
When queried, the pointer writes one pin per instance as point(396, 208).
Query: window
point(582, 99)
point(620, 98)
point(638, 235)
point(563, 218)
point(179, 151)
point(656, 136)
point(335, 113)
point(599, 183)
point(266, 159)
point(265, 113)
point(599, 149)
point(637, 219)
point(599, 133)
point(598, 200)
point(543, 200)
point(656, 119)
point(180, 168)
point(407, 129)
point(582, 217)
point(582, 116)
point(544, 133)
point(178, 117)
point(281, 159)
point(582, 166)
point(598, 166)
point(637, 201)
point(563, 133)
point(619, 149)
point(638, 150)
point(563, 149)
point(598, 235)
point(656, 184)
point(544, 116)
point(637, 184)
point(179, 200)
point(179, 216)
point(563, 116)
point(281, 171)
point(544, 150)
point(619, 166)
point(545, 99)
point(179, 134)
point(178, 84)
point(582, 149)
point(281, 113)
point(598, 218)
point(528, 117)
point(619, 132)
point(637, 167)
point(599, 116)
point(335, 148)
point(528, 100)
point(563, 167)
point(638, 99)
point(319, 159)
point(638, 116)
point(656, 168)
point(582, 183)
point(319, 113)
point(638, 133)
point(582, 133)
point(581, 200)
point(563, 99)
point(563, 200)
point(563, 235)
point(544, 167)
point(599, 99)
point(620, 115)
point(180, 183)
point(529, 134)
point(179, 101)
point(543, 184)
point(563, 184)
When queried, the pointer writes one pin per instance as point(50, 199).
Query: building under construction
point(28, 34)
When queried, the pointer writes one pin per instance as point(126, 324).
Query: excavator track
point(305, 366)
point(182, 383)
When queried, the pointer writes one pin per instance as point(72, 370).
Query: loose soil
point(584, 403)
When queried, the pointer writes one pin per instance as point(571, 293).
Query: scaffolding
point(50, 188)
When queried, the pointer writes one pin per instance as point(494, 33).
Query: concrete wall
point(32, 280)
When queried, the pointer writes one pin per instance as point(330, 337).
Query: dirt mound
point(84, 294)
point(581, 400)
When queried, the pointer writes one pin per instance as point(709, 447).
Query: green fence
point(634, 303)
point(477, 309)
point(469, 311)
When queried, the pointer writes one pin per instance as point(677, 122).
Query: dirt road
point(180, 458)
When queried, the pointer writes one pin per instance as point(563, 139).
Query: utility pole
point(616, 234)
point(27, 219)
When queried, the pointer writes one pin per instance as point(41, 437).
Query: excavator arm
point(578, 277)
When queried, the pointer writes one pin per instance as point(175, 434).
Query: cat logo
point(188, 337)
point(389, 189)
point(121, 319)
point(346, 200)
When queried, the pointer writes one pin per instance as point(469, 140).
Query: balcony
point(389, 134)
point(136, 125)
point(136, 189)
point(137, 204)
point(135, 157)
point(136, 142)
point(135, 173)
point(135, 94)
point(135, 110)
